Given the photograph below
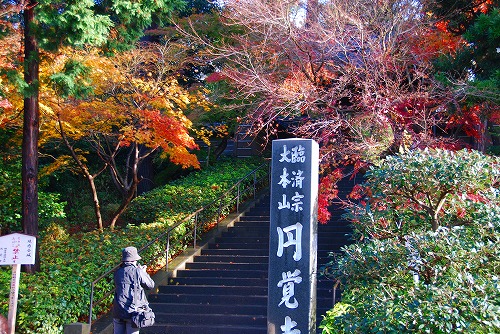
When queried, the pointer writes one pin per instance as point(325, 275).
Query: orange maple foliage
point(171, 134)
point(131, 107)
point(435, 42)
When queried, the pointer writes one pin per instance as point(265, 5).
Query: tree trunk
point(481, 142)
point(95, 200)
point(220, 148)
point(397, 141)
point(85, 171)
point(29, 171)
point(146, 175)
point(129, 189)
point(124, 204)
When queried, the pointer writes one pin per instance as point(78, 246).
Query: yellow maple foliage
point(133, 100)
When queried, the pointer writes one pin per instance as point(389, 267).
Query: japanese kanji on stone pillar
point(293, 237)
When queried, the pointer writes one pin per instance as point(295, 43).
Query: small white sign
point(17, 248)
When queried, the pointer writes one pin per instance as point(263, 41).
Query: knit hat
point(130, 254)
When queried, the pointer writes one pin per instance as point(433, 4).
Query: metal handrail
point(225, 203)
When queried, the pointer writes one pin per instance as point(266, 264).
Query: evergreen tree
point(477, 22)
point(472, 70)
point(458, 14)
point(199, 7)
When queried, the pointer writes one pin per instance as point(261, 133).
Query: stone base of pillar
point(77, 328)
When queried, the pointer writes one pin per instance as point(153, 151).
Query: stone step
point(323, 284)
point(243, 239)
point(258, 238)
point(258, 212)
point(235, 252)
point(212, 319)
point(323, 254)
point(185, 329)
point(257, 220)
point(258, 225)
point(223, 244)
point(226, 266)
point(203, 319)
point(231, 258)
point(234, 244)
point(263, 224)
point(223, 299)
point(244, 230)
point(212, 299)
point(223, 281)
point(222, 290)
point(174, 308)
point(222, 273)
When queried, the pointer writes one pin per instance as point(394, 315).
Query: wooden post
point(14, 293)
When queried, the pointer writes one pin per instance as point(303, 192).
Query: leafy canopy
point(116, 24)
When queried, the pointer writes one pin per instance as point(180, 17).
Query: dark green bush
point(192, 191)
point(50, 205)
point(406, 277)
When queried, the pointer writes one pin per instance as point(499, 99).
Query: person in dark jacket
point(128, 298)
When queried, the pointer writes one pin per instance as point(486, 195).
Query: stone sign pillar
point(291, 305)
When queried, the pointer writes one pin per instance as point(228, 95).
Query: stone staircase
point(224, 289)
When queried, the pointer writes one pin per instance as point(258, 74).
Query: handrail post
point(335, 292)
point(195, 228)
point(254, 184)
point(91, 302)
point(238, 199)
point(167, 250)
point(219, 212)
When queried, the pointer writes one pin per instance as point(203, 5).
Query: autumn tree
point(48, 25)
point(135, 110)
point(357, 76)
point(344, 73)
point(198, 69)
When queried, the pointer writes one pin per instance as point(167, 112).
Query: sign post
point(16, 249)
point(293, 237)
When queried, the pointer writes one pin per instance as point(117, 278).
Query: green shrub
point(193, 191)
point(457, 290)
point(425, 189)
point(50, 206)
point(404, 276)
